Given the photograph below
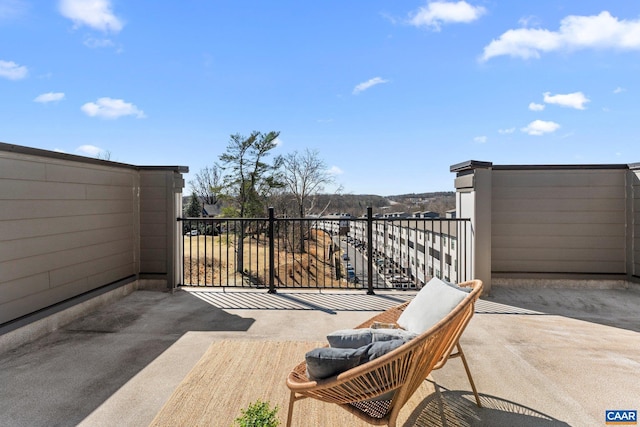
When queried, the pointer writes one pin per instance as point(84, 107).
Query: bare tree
point(104, 155)
point(305, 175)
point(207, 184)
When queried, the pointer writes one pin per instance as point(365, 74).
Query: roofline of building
point(476, 164)
point(19, 149)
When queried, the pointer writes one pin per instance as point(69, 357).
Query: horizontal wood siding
point(558, 221)
point(66, 227)
point(154, 212)
point(636, 222)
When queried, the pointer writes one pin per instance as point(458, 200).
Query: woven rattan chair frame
point(399, 372)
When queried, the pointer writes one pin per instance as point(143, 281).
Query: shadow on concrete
point(611, 307)
point(63, 377)
point(330, 303)
point(449, 408)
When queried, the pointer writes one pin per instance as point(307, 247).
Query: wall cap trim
point(19, 149)
point(470, 165)
point(562, 167)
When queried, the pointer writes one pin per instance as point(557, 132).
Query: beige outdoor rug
point(233, 374)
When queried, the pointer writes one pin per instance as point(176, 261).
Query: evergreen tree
point(249, 178)
point(194, 209)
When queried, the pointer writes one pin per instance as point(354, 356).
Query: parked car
point(345, 257)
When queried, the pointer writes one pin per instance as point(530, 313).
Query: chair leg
point(292, 399)
point(466, 368)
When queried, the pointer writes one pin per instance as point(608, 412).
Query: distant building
point(396, 215)
point(211, 211)
point(417, 247)
point(426, 214)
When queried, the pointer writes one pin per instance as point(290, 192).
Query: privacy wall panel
point(559, 221)
point(66, 227)
point(155, 221)
point(71, 224)
point(635, 178)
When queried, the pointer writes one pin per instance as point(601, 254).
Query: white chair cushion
point(434, 301)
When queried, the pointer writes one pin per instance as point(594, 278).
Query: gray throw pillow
point(391, 334)
point(350, 338)
point(326, 362)
point(354, 338)
point(380, 348)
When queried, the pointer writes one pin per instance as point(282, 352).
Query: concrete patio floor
point(538, 356)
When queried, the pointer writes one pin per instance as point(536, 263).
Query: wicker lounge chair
point(395, 376)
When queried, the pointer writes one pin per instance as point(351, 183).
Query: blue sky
point(390, 93)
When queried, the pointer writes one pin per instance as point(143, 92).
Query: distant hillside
point(424, 195)
point(440, 202)
point(356, 204)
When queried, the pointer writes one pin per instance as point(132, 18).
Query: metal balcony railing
point(329, 252)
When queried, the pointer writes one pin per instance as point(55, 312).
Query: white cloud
point(12, 71)
point(442, 12)
point(368, 84)
point(506, 131)
point(96, 14)
point(601, 31)
point(619, 90)
point(89, 150)
point(335, 170)
point(540, 127)
point(108, 108)
point(278, 141)
point(49, 97)
point(536, 107)
point(573, 100)
point(480, 139)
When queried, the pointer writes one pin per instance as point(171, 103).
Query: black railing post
point(370, 251)
point(272, 263)
point(181, 251)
